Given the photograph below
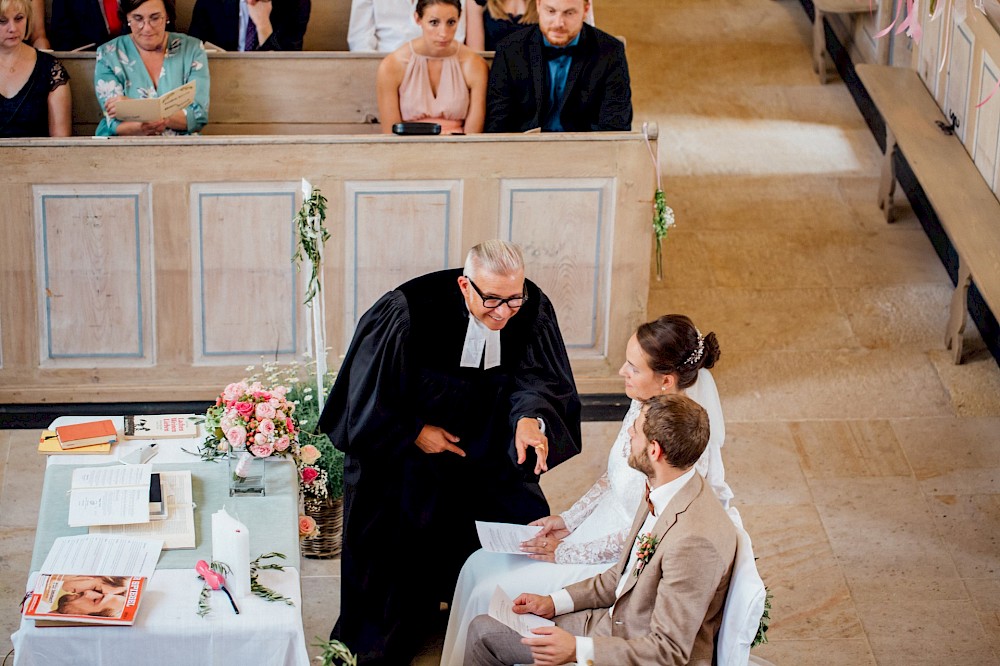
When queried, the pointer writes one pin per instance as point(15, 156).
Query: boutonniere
point(644, 551)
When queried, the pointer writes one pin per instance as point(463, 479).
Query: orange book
point(85, 434)
point(68, 599)
point(48, 444)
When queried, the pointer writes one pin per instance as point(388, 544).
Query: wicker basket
point(329, 517)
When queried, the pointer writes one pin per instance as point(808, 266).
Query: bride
point(668, 355)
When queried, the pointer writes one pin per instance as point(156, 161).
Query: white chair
point(744, 603)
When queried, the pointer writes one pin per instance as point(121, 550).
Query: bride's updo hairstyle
point(673, 346)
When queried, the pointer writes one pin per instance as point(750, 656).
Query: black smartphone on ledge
point(416, 129)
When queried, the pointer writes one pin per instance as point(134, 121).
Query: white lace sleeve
point(584, 506)
point(605, 550)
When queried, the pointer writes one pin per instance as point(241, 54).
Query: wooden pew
point(309, 92)
point(963, 202)
point(158, 268)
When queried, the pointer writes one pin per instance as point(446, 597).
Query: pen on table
point(215, 580)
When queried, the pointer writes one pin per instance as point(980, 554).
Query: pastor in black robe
point(408, 515)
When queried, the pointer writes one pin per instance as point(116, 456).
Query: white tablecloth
point(168, 629)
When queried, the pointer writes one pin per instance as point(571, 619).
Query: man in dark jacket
point(560, 75)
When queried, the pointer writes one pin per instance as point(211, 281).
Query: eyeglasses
point(492, 302)
point(154, 21)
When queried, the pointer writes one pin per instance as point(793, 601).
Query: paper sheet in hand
point(504, 537)
point(502, 610)
point(155, 108)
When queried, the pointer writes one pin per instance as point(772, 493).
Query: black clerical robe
point(409, 516)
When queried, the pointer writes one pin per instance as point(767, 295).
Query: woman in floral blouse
point(149, 62)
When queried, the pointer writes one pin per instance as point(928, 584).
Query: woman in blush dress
point(667, 355)
point(433, 78)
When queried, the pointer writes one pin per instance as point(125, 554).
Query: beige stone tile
point(320, 608)
point(830, 449)
point(22, 484)
point(15, 559)
point(970, 526)
point(952, 455)
point(795, 386)
point(761, 319)
point(925, 632)
point(974, 386)
point(762, 467)
point(892, 256)
point(762, 259)
point(817, 652)
point(991, 626)
point(881, 527)
point(910, 316)
point(796, 203)
point(685, 263)
point(566, 483)
point(899, 589)
point(811, 599)
point(320, 568)
point(984, 592)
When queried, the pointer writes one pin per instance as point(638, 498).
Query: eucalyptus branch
point(259, 588)
point(334, 650)
point(312, 233)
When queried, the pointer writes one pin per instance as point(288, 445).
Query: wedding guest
point(149, 62)
point(84, 24)
point(667, 356)
point(455, 395)
point(561, 75)
point(34, 87)
point(385, 25)
point(251, 25)
point(490, 21)
point(38, 37)
point(434, 78)
point(667, 590)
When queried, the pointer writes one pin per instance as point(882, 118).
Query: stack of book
point(90, 437)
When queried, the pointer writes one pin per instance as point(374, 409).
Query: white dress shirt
point(660, 497)
point(385, 25)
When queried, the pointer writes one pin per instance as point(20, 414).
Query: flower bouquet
point(247, 423)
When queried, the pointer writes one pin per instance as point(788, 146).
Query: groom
point(662, 602)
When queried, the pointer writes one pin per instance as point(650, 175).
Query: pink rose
point(282, 444)
point(244, 409)
point(309, 475)
point(265, 411)
point(280, 415)
point(234, 391)
point(274, 402)
point(262, 450)
point(279, 391)
point(266, 428)
point(307, 527)
point(290, 426)
point(237, 436)
point(309, 454)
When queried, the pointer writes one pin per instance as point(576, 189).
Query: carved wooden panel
point(245, 287)
point(397, 230)
point(564, 227)
point(93, 275)
point(956, 96)
point(986, 147)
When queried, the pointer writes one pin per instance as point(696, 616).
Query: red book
point(85, 434)
point(65, 599)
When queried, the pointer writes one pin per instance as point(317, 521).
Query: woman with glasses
point(668, 355)
point(150, 61)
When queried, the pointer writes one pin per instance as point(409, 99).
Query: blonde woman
point(34, 86)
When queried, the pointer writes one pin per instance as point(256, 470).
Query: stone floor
point(865, 464)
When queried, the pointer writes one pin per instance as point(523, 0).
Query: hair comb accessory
point(696, 355)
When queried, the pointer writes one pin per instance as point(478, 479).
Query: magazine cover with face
point(64, 599)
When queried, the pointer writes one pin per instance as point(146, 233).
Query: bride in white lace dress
point(668, 355)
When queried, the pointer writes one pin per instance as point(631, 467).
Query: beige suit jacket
point(670, 613)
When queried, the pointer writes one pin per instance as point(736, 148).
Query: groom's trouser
point(491, 643)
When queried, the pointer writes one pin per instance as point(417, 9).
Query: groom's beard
point(641, 463)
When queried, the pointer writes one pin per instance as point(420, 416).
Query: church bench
point(966, 207)
point(307, 92)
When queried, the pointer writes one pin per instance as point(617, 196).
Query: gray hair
point(496, 257)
